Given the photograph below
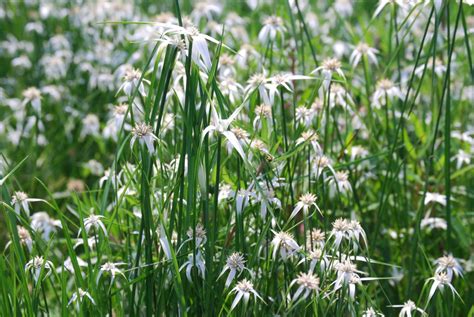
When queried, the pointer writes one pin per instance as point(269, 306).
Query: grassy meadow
point(236, 158)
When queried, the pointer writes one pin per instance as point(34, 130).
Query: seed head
point(385, 84)
point(315, 254)
point(132, 74)
point(308, 199)
point(310, 136)
point(240, 133)
point(142, 129)
point(263, 111)
point(120, 109)
point(19, 197)
point(447, 261)
point(341, 225)
point(273, 20)
point(362, 47)
point(316, 236)
point(345, 267)
point(308, 281)
point(342, 176)
point(244, 286)
point(32, 93)
point(236, 261)
point(200, 232)
point(256, 80)
point(332, 64)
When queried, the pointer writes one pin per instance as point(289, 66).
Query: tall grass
point(211, 158)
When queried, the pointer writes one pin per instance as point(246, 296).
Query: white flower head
point(386, 89)
point(272, 26)
point(43, 223)
point(340, 230)
point(440, 280)
point(199, 42)
point(354, 281)
point(194, 261)
point(221, 126)
point(339, 182)
point(91, 242)
point(131, 81)
point(112, 269)
point(93, 222)
point(206, 9)
point(283, 80)
point(439, 67)
point(315, 239)
point(344, 7)
point(358, 151)
point(235, 264)
point(90, 125)
point(119, 113)
point(346, 270)
point(462, 158)
point(408, 307)
point(315, 257)
point(312, 138)
point(200, 50)
point(25, 238)
point(68, 266)
point(246, 53)
point(225, 192)
point(80, 295)
point(242, 199)
point(33, 96)
point(241, 135)
point(431, 223)
point(383, 3)
point(320, 163)
point(36, 265)
point(262, 112)
point(257, 82)
point(305, 202)
point(199, 233)
point(435, 197)
point(267, 199)
point(371, 312)
point(361, 50)
point(144, 134)
point(351, 231)
point(244, 289)
point(305, 115)
point(356, 232)
point(449, 265)
point(340, 97)
point(328, 68)
point(284, 243)
point(307, 283)
point(20, 200)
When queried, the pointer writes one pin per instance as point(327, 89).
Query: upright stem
point(430, 157)
point(147, 221)
point(285, 135)
point(328, 110)
point(308, 36)
point(447, 135)
point(368, 93)
point(216, 214)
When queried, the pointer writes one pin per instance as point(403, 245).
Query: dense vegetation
point(256, 157)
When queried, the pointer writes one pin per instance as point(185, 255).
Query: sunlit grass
point(237, 158)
